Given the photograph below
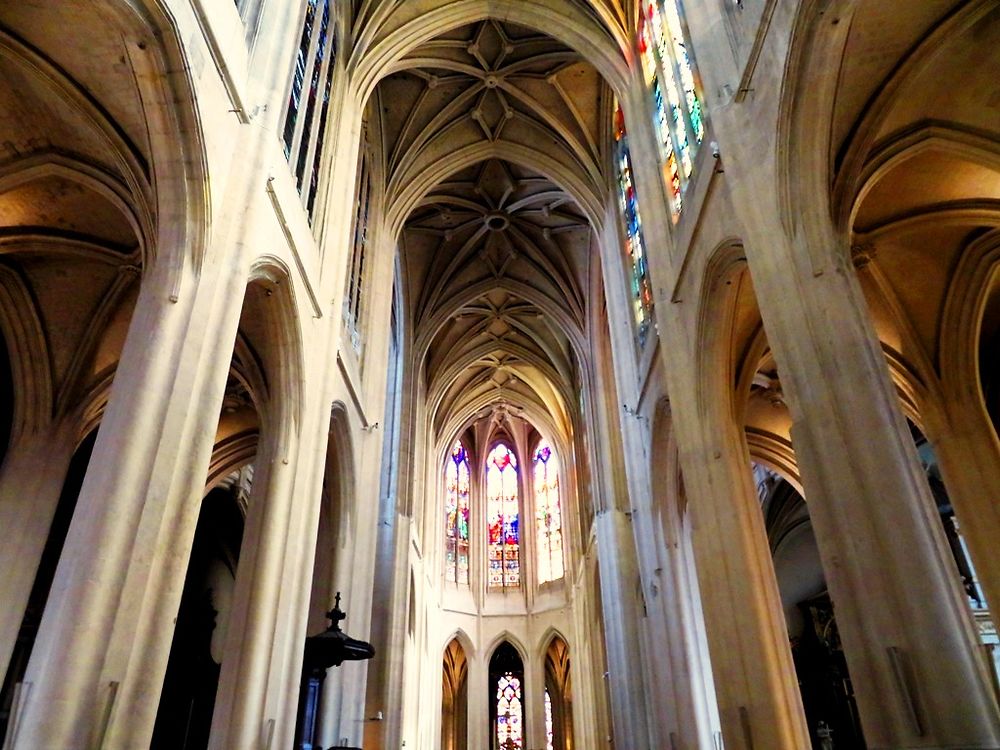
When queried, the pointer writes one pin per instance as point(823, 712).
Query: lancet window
point(509, 732)
point(356, 273)
point(635, 248)
point(502, 519)
point(457, 516)
point(306, 115)
point(548, 514)
point(678, 115)
point(506, 683)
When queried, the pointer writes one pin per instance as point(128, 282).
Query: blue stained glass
point(457, 516)
point(642, 296)
point(502, 519)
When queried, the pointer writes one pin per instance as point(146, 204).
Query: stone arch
point(548, 637)
point(505, 636)
point(716, 308)
point(977, 274)
point(21, 326)
point(459, 634)
point(284, 367)
point(607, 49)
point(585, 189)
point(455, 694)
point(339, 480)
point(176, 165)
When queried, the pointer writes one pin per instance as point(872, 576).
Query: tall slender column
point(240, 718)
point(104, 617)
point(619, 576)
point(758, 698)
point(479, 701)
point(906, 631)
point(969, 456)
point(673, 664)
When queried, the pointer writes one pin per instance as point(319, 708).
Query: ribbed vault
point(496, 251)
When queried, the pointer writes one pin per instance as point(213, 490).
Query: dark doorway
point(184, 718)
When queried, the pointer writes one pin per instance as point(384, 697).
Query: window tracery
point(640, 290)
point(678, 115)
point(548, 514)
point(509, 734)
point(312, 80)
point(356, 273)
point(502, 518)
point(457, 515)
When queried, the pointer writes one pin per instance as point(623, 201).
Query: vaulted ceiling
point(482, 129)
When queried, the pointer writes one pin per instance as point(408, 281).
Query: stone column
point(968, 453)
point(906, 630)
point(534, 698)
point(619, 578)
point(682, 714)
point(758, 698)
point(241, 717)
point(479, 701)
point(105, 635)
point(30, 487)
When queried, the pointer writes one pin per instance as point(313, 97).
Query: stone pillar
point(479, 704)
point(105, 636)
point(906, 630)
point(241, 717)
point(682, 713)
point(619, 578)
point(968, 453)
point(534, 699)
point(30, 487)
point(758, 698)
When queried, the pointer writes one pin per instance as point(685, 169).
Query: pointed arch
point(503, 516)
point(558, 694)
point(27, 349)
point(457, 506)
point(507, 696)
point(606, 48)
point(455, 696)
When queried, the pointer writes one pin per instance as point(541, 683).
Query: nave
point(624, 374)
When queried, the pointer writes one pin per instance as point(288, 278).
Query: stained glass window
point(548, 721)
point(641, 290)
point(356, 273)
point(677, 109)
point(502, 518)
point(456, 509)
point(509, 730)
point(548, 514)
point(312, 80)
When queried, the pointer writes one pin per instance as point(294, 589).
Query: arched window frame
point(557, 696)
point(507, 662)
point(544, 519)
point(671, 78)
point(305, 118)
point(505, 586)
point(453, 569)
point(354, 296)
point(640, 287)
